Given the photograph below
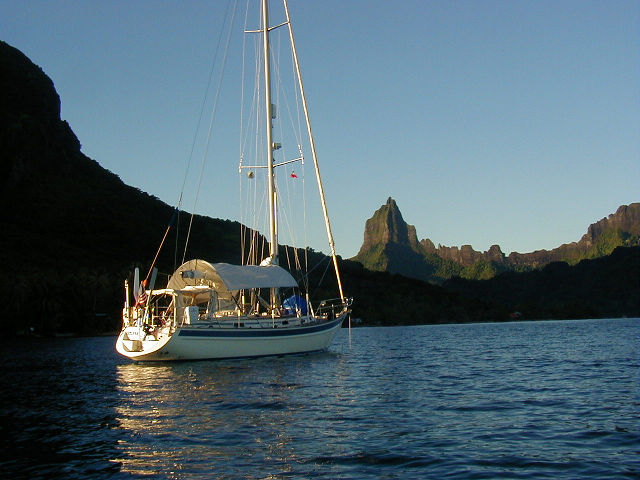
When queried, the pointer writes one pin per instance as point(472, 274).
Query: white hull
point(217, 310)
point(198, 343)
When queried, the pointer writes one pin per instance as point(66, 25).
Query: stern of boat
point(139, 342)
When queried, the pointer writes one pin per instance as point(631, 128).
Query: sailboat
point(210, 310)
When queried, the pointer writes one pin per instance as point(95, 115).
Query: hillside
point(73, 231)
point(608, 286)
point(390, 244)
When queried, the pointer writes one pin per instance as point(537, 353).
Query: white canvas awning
point(224, 277)
point(238, 277)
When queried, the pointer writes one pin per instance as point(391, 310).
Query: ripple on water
point(527, 400)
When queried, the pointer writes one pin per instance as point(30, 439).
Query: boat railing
point(333, 307)
point(157, 316)
point(232, 319)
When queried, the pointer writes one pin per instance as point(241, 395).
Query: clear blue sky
point(508, 122)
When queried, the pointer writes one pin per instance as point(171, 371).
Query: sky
point(514, 123)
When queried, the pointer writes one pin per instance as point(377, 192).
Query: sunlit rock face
point(390, 244)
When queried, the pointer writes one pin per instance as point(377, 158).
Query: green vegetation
point(602, 287)
point(481, 270)
point(608, 241)
point(375, 258)
point(391, 245)
point(444, 268)
point(73, 231)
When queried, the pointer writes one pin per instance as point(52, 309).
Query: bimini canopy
point(224, 277)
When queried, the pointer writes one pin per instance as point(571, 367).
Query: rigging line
point(280, 84)
point(298, 111)
point(252, 200)
point(243, 228)
point(204, 103)
point(326, 268)
point(294, 219)
point(290, 215)
point(246, 238)
point(244, 43)
point(254, 113)
point(298, 134)
point(257, 69)
point(249, 199)
point(213, 114)
point(314, 157)
point(260, 213)
point(251, 121)
point(320, 262)
point(257, 199)
point(175, 250)
point(290, 188)
point(297, 129)
point(173, 217)
point(304, 219)
point(189, 159)
point(297, 99)
point(286, 253)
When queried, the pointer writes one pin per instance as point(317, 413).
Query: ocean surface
point(556, 399)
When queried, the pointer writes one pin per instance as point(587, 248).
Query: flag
point(293, 175)
point(142, 294)
point(142, 299)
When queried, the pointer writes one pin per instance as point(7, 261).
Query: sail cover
point(224, 276)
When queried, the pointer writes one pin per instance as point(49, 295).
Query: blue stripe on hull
point(256, 332)
point(243, 357)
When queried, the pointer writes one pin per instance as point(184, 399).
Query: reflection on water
point(182, 419)
point(524, 400)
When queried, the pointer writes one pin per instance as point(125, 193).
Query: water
point(517, 400)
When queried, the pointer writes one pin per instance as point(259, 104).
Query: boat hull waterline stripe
point(257, 332)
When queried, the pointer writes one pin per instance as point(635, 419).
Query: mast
point(312, 145)
point(273, 230)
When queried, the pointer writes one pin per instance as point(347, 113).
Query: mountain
point(619, 229)
point(603, 287)
point(390, 244)
point(598, 276)
point(72, 231)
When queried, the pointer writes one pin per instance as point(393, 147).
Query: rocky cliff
point(626, 220)
point(391, 245)
point(465, 255)
point(387, 226)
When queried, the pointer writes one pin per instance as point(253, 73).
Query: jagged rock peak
point(391, 245)
point(387, 226)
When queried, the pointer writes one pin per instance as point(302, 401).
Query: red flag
point(293, 175)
